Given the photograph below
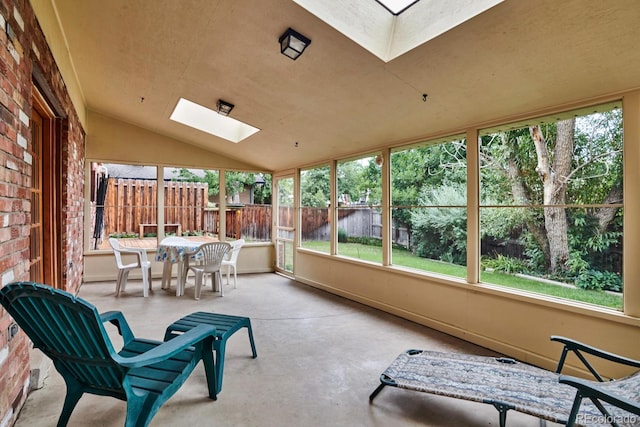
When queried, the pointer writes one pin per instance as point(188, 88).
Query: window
point(191, 197)
point(358, 212)
point(122, 198)
point(428, 206)
point(551, 205)
point(315, 211)
point(124, 204)
point(248, 206)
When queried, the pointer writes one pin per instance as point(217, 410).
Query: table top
point(174, 249)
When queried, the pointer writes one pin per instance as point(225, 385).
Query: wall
point(100, 265)
point(513, 322)
point(507, 321)
point(113, 141)
point(24, 48)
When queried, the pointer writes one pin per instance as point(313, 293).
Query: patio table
point(178, 250)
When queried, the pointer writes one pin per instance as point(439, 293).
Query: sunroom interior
point(342, 100)
point(462, 82)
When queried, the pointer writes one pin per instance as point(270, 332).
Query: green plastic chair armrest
point(171, 347)
point(117, 318)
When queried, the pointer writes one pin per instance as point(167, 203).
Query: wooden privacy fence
point(251, 222)
point(356, 222)
point(131, 202)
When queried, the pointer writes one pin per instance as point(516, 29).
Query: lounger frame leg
point(502, 409)
point(375, 392)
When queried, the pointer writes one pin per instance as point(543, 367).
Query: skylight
point(388, 34)
point(202, 118)
point(396, 7)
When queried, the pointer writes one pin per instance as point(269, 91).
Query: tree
point(573, 159)
point(417, 174)
point(315, 187)
point(554, 175)
point(235, 182)
point(351, 181)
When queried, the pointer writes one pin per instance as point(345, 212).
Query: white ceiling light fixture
point(206, 120)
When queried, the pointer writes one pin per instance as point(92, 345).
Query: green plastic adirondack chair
point(70, 331)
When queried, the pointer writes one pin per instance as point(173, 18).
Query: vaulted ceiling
point(134, 60)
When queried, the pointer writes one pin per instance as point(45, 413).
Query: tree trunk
point(606, 215)
point(554, 180)
point(521, 196)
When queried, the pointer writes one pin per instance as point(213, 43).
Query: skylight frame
point(207, 120)
point(386, 35)
point(396, 7)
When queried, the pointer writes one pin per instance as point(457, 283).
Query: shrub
point(342, 235)
point(369, 241)
point(124, 235)
point(599, 280)
point(505, 264)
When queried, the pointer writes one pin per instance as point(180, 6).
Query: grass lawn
point(404, 258)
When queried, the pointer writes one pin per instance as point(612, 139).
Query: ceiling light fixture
point(292, 43)
point(224, 107)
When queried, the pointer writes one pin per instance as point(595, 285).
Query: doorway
point(284, 224)
point(46, 190)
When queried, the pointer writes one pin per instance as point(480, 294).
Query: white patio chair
point(230, 260)
point(212, 255)
point(123, 269)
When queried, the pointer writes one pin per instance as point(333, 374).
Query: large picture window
point(428, 206)
point(124, 204)
point(551, 205)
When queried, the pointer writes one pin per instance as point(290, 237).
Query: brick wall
point(23, 47)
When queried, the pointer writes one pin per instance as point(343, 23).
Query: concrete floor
point(319, 358)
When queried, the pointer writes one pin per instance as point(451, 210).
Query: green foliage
point(504, 264)
point(509, 176)
point(124, 235)
point(588, 244)
point(429, 166)
point(533, 254)
point(441, 233)
point(342, 235)
point(575, 265)
point(351, 181)
point(235, 182)
point(501, 223)
point(372, 185)
point(285, 192)
point(428, 196)
point(262, 192)
point(368, 241)
point(315, 187)
point(599, 280)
